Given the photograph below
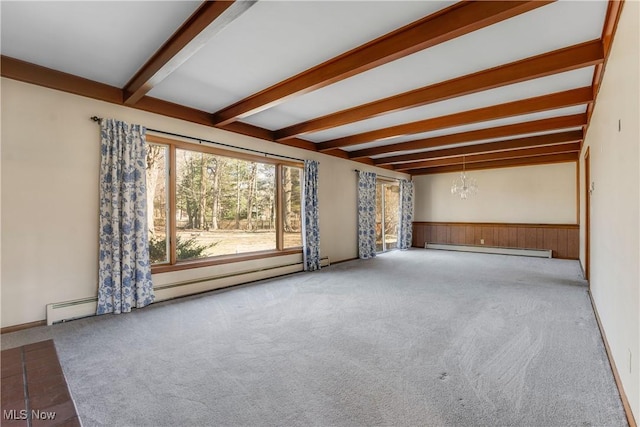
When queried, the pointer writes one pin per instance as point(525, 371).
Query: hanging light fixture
point(464, 186)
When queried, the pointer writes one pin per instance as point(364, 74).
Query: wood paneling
point(573, 243)
point(562, 243)
point(551, 240)
point(562, 239)
point(540, 238)
point(513, 237)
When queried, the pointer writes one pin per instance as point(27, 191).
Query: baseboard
point(539, 253)
point(345, 260)
point(76, 309)
point(22, 326)
point(623, 396)
point(584, 275)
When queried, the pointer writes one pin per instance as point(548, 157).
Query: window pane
point(387, 212)
point(157, 202)
point(291, 204)
point(391, 213)
point(224, 206)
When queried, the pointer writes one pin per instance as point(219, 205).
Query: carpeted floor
point(414, 338)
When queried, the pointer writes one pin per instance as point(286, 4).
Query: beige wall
point(50, 159)
point(615, 213)
point(544, 194)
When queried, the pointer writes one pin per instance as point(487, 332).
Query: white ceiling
point(476, 51)
point(277, 39)
point(546, 85)
point(274, 40)
point(560, 112)
point(105, 41)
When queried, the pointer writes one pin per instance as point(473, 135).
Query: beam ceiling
point(207, 21)
point(504, 163)
point(499, 155)
point(535, 126)
point(567, 59)
point(526, 106)
point(509, 144)
point(455, 21)
point(542, 141)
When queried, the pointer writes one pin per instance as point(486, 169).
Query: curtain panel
point(366, 215)
point(310, 224)
point(124, 274)
point(405, 227)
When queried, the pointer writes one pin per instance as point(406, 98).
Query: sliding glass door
point(387, 213)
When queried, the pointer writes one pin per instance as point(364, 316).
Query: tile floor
point(34, 390)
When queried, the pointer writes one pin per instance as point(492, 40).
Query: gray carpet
point(414, 338)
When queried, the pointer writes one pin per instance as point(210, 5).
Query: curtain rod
point(382, 176)
point(200, 140)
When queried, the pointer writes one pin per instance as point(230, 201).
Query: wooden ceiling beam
point(484, 157)
point(510, 144)
point(505, 163)
point(614, 9)
point(558, 61)
point(525, 106)
point(544, 125)
point(35, 74)
point(27, 72)
point(207, 21)
point(454, 21)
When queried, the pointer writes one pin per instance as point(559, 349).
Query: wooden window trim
point(173, 254)
point(176, 265)
point(279, 209)
point(388, 180)
point(205, 148)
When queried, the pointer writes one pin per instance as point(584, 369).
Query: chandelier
point(464, 186)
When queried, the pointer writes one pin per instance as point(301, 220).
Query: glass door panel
point(387, 213)
point(379, 217)
point(391, 213)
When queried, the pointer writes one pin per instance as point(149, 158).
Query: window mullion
point(279, 209)
point(172, 205)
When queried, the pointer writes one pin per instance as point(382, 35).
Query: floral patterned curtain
point(405, 228)
point(366, 215)
point(310, 226)
point(124, 275)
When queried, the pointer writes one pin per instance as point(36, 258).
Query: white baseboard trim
point(76, 309)
point(540, 253)
point(69, 310)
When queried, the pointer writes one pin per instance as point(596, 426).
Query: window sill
point(222, 259)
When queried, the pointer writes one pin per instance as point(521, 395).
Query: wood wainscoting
point(562, 239)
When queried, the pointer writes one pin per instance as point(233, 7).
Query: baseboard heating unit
point(540, 253)
point(75, 309)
